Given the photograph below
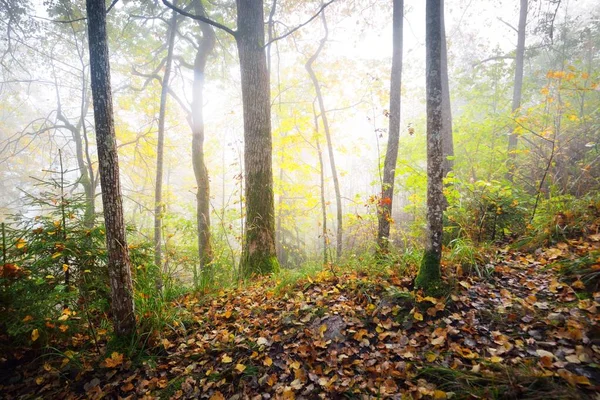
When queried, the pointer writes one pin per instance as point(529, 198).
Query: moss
point(260, 264)
point(429, 276)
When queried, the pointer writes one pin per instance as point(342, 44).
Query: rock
point(335, 326)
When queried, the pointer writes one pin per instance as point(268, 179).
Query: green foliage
point(55, 266)
point(484, 211)
point(559, 218)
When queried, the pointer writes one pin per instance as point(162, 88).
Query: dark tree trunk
point(429, 272)
point(158, 206)
point(447, 139)
point(122, 305)
point(391, 155)
point(205, 47)
point(518, 86)
point(258, 253)
point(336, 182)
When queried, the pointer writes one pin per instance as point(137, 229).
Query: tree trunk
point(158, 206)
point(122, 305)
point(429, 272)
point(206, 46)
point(336, 183)
point(258, 253)
point(516, 101)
point(447, 139)
point(322, 188)
point(391, 155)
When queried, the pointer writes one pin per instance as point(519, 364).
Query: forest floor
point(517, 329)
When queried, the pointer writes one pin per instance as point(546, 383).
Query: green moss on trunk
point(429, 277)
point(260, 264)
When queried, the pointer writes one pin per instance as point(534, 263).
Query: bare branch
point(200, 18)
point(301, 25)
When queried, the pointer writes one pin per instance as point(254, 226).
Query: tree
point(258, 252)
point(122, 305)
point(391, 155)
point(158, 206)
point(429, 277)
point(326, 128)
point(518, 86)
point(205, 47)
point(447, 138)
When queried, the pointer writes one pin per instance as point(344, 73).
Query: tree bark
point(336, 182)
point(391, 156)
point(447, 137)
point(429, 272)
point(122, 305)
point(324, 232)
point(518, 86)
point(258, 253)
point(158, 206)
point(205, 47)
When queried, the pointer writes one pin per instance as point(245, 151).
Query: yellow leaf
point(322, 329)
point(439, 395)
point(227, 313)
point(578, 284)
point(65, 267)
point(268, 361)
point(431, 357)
point(63, 317)
point(240, 367)
point(56, 255)
point(47, 367)
point(418, 316)
point(114, 361)
point(20, 244)
point(226, 359)
point(35, 335)
point(496, 359)
point(39, 380)
point(27, 318)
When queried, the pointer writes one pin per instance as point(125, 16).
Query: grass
point(499, 383)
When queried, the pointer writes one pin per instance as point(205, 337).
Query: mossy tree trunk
point(429, 277)
point(121, 286)
point(391, 156)
point(258, 253)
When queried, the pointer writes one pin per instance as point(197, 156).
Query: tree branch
point(200, 18)
point(299, 26)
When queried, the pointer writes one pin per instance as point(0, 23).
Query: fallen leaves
point(365, 336)
point(114, 360)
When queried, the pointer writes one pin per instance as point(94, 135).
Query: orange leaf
point(114, 361)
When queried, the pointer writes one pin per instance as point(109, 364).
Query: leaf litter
point(522, 332)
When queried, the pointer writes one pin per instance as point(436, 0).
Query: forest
point(311, 199)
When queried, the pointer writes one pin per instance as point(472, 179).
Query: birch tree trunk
point(121, 286)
